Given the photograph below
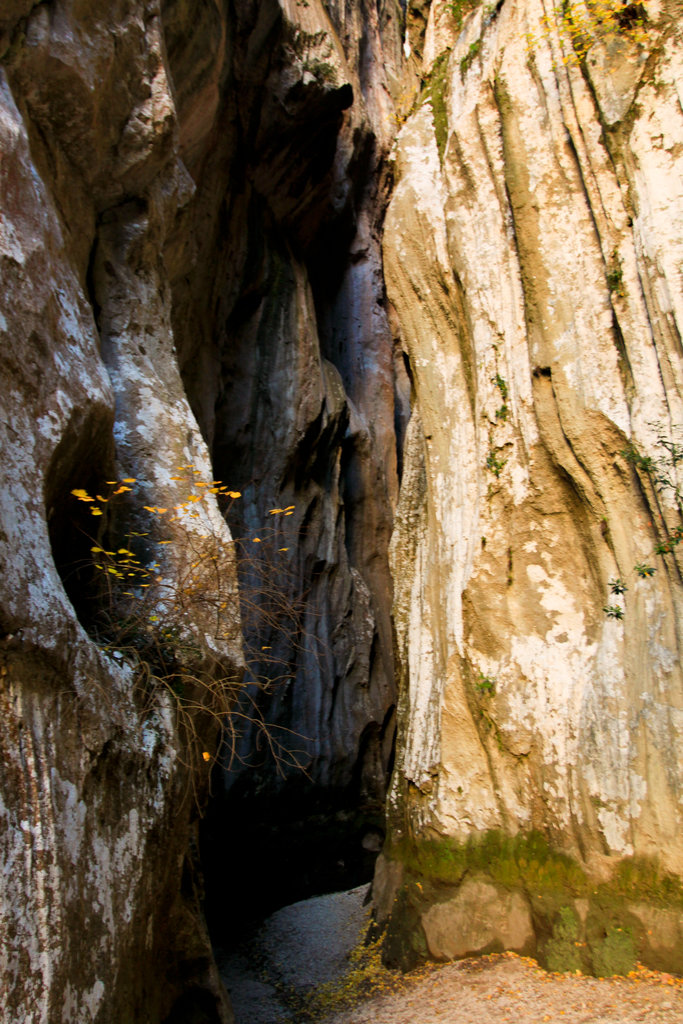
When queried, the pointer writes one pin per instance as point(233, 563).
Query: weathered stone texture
point(532, 252)
point(99, 916)
point(191, 197)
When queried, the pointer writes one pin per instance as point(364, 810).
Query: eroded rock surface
point(533, 252)
point(191, 196)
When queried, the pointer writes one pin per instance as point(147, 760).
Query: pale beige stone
point(479, 918)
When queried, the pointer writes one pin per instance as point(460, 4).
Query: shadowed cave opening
point(82, 460)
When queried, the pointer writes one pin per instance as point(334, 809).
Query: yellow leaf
point(283, 549)
point(274, 511)
point(256, 540)
point(290, 507)
point(80, 493)
point(234, 494)
point(128, 480)
point(96, 549)
point(96, 511)
point(206, 755)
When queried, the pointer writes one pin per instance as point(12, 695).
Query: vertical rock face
point(533, 255)
point(96, 797)
point(287, 354)
point(191, 198)
point(288, 360)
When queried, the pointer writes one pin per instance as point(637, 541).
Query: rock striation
point(532, 253)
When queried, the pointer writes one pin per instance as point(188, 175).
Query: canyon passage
point(341, 510)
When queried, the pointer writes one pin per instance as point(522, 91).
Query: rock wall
point(533, 255)
point(191, 196)
point(286, 351)
point(292, 371)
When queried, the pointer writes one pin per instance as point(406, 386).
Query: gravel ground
point(308, 943)
point(298, 947)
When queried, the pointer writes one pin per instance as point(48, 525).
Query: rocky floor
point(308, 944)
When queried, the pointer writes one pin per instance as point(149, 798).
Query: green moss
point(404, 941)
point(470, 57)
point(615, 954)
point(563, 951)
point(434, 90)
point(615, 275)
point(608, 938)
point(522, 861)
point(640, 879)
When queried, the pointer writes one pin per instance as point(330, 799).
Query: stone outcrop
point(533, 254)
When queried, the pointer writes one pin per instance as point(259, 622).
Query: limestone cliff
point(190, 275)
point(533, 254)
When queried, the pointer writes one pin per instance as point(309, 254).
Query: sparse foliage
point(586, 23)
point(165, 602)
point(662, 472)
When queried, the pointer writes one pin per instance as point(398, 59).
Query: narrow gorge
point(342, 435)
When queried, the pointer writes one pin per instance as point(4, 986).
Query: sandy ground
point(308, 943)
point(507, 989)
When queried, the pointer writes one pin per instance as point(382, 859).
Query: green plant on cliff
point(485, 685)
point(615, 275)
point(458, 9)
point(662, 473)
point(494, 463)
point(173, 619)
point(470, 57)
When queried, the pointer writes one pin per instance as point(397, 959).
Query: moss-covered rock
point(516, 892)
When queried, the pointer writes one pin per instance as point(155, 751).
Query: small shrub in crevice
point(164, 601)
point(662, 472)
